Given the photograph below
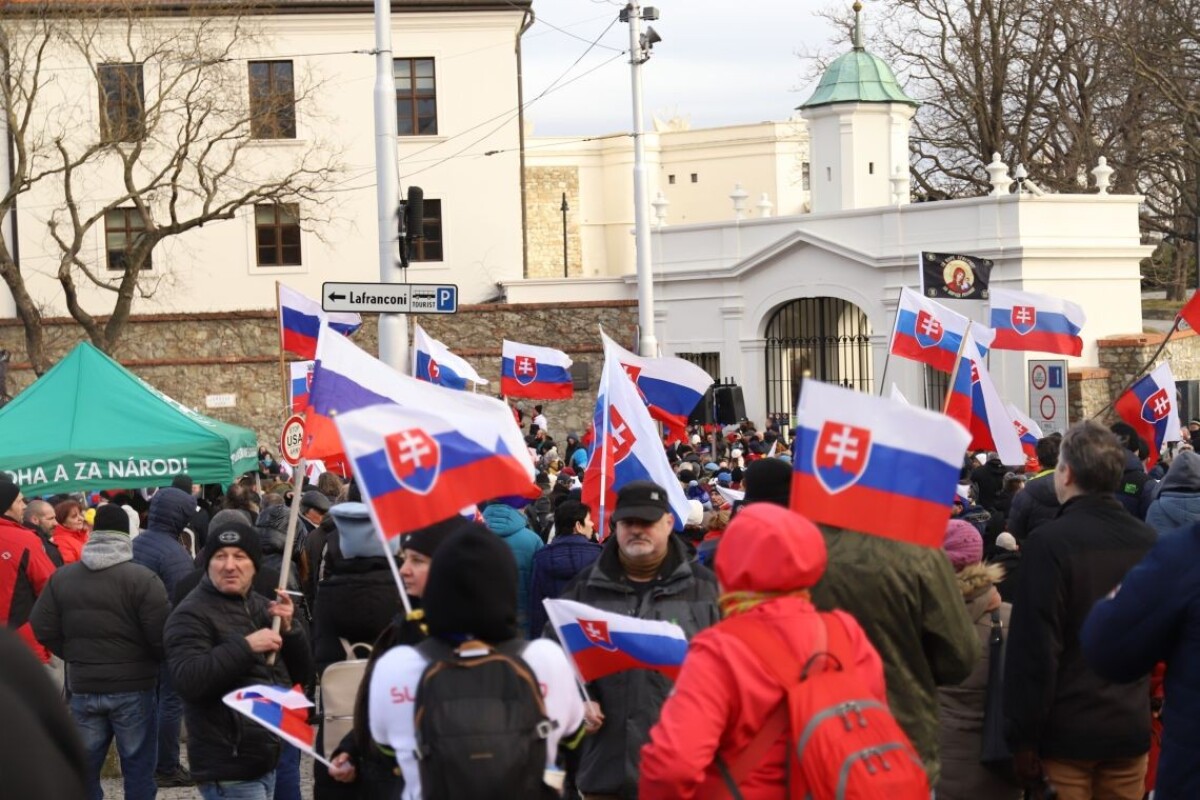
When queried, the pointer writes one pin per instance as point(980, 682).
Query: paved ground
point(113, 790)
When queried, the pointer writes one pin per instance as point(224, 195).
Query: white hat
point(695, 438)
point(1006, 541)
point(695, 515)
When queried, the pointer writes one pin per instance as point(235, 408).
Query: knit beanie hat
point(356, 532)
point(426, 541)
point(962, 544)
point(8, 494)
point(111, 517)
point(695, 517)
point(768, 481)
point(1006, 541)
point(183, 482)
point(231, 528)
point(472, 587)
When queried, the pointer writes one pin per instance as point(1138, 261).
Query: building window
point(122, 228)
point(122, 102)
point(695, 177)
point(429, 248)
point(277, 234)
point(870, 167)
point(805, 176)
point(709, 362)
point(671, 179)
point(416, 97)
point(272, 100)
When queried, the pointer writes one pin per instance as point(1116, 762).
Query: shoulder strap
point(784, 666)
point(838, 640)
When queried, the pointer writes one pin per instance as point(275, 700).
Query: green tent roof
point(90, 424)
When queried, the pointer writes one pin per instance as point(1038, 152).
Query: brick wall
point(544, 187)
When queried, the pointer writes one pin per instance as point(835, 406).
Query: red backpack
point(846, 744)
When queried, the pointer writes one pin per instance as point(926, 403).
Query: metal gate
point(815, 337)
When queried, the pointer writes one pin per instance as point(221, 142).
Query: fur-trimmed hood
point(975, 579)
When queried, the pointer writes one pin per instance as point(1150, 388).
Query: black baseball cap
point(644, 500)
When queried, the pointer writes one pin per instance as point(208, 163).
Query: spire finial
point(858, 39)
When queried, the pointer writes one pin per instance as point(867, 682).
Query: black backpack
point(480, 723)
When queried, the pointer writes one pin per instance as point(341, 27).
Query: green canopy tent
point(90, 424)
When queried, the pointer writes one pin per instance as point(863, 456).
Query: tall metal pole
point(565, 208)
point(393, 328)
point(639, 54)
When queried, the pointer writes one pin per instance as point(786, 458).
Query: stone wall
point(190, 357)
point(544, 187)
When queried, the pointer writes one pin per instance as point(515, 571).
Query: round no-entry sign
point(292, 440)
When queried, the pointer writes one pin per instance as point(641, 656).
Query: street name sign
point(390, 298)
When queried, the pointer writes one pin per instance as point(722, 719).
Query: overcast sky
point(718, 63)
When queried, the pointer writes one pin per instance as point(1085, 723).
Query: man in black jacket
point(1037, 503)
point(104, 616)
point(219, 639)
point(1087, 736)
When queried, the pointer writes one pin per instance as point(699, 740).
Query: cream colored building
point(693, 174)
point(457, 85)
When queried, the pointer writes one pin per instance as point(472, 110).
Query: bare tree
point(177, 145)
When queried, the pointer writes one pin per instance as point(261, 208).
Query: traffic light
point(412, 222)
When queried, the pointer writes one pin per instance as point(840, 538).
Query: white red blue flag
point(300, 380)
point(300, 322)
point(434, 363)
point(282, 711)
point(929, 332)
point(1149, 408)
point(670, 387)
point(1039, 322)
point(626, 446)
point(975, 403)
point(417, 466)
point(874, 465)
point(1028, 432)
point(602, 643)
point(537, 373)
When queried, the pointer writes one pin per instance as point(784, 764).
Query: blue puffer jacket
point(1177, 497)
point(158, 547)
point(553, 568)
point(510, 525)
point(1156, 617)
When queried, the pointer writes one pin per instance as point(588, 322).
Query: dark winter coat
point(272, 533)
point(209, 657)
point(356, 601)
point(990, 480)
point(1052, 700)
point(1136, 488)
point(158, 547)
point(1034, 505)
point(1156, 617)
point(686, 594)
point(1176, 500)
point(554, 566)
point(104, 616)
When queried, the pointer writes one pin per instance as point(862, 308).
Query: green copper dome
point(858, 77)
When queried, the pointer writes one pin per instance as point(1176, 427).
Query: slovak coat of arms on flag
point(415, 459)
point(1156, 406)
point(525, 368)
point(621, 435)
point(841, 455)
point(596, 631)
point(928, 330)
point(1024, 319)
point(434, 370)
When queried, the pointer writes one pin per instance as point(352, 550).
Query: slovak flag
point(974, 402)
point(1040, 322)
point(1028, 432)
point(301, 379)
point(670, 387)
point(419, 466)
point(626, 446)
point(433, 362)
point(346, 378)
point(1149, 408)
point(874, 465)
point(282, 711)
point(931, 333)
point(537, 373)
point(602, 643)
point(300, 322)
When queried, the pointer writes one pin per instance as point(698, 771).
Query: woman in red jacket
point(769, 558)
point(71, 533)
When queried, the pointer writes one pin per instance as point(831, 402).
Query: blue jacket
point(553, 568)
point(1156, 617)
point(510, 525)
point(1177, 496)
point(158, 547)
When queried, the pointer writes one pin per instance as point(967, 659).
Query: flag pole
point(601, 440)
point(289, 543)
point(887, 357)
point(1137, 375)
point(957, 363)
point(283, 373)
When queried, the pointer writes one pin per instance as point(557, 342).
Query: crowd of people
point(1048, 646)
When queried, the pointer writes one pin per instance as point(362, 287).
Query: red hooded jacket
point(24, 570)
point(724, 694)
